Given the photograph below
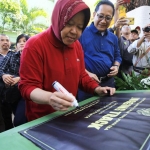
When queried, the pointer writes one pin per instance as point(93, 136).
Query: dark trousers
point(83, 95)
point(18, 109)
point(19, 113)
point(2, 124)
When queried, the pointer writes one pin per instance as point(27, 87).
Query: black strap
point(139, 69)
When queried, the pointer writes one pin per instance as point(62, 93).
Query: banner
point(119, 122)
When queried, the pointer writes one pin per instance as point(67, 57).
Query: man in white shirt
point(141, 51)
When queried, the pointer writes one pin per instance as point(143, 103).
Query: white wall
point(47, 5)
point(141, 15)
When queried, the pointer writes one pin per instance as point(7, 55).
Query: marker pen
point(58, 87)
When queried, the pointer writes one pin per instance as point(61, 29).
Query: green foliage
point(18, 16)
point(97, 2)
point(28, 24)
point(131, 82)
point(9, 9)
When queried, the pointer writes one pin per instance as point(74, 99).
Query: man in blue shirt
point(100, 46)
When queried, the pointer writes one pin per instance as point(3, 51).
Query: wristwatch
point(117, 66)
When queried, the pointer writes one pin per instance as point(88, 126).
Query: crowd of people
point(84, 59)
point(9, 74)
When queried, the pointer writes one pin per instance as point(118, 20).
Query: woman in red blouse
point(56, 55)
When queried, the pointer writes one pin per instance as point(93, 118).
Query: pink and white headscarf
point(64, 10)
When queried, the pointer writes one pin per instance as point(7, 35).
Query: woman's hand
point(57, 100)
point(16, 80)
point(60, 101)
point(104, 90)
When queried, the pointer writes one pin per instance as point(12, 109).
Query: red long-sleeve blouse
point(44, 60)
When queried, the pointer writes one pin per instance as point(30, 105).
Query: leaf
point(131, 82)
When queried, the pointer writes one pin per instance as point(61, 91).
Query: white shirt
point(144, 62)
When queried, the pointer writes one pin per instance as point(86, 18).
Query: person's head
point(134, 35)
point(146, 32)
point(69, 19)
point(4, 42)
point(103, 14)
point(21, 41)
point(126, 31)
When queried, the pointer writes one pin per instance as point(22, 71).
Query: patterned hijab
point(64, 10)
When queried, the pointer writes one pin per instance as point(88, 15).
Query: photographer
point(141, 51)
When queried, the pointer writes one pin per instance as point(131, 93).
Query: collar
point(95, 30)
point(124, 38)
point(2, 54)
point(10, 53)
point(54, 41)
point(17, 53)
point(7, 52)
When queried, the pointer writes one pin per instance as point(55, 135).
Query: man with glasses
point(100, 46)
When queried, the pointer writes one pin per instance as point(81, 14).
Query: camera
point(146, 29)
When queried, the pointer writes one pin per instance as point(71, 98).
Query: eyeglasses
point(101, 17)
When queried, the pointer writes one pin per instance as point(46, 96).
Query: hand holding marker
point(58, 87)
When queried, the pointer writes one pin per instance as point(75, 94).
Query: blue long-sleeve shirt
point(100, 51)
